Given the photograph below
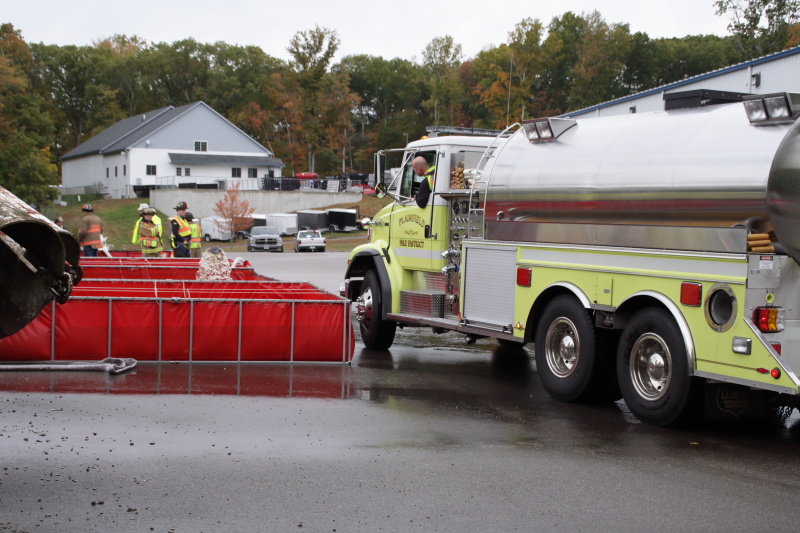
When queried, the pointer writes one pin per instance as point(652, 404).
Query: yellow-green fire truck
point(647, 256)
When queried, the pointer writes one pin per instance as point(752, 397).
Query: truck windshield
point(264, 230)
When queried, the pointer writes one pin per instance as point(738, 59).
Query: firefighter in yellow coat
point(149, 234)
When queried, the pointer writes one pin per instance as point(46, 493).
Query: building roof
point(213, 159)
point(687, 81)
point(130, 131)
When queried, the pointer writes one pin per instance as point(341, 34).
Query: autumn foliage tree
point(236, 213)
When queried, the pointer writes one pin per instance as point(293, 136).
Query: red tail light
point(691, 293)
point(524, 276)
point(768, 319)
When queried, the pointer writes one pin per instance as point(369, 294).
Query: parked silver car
point(265, 238)
point(309, 241)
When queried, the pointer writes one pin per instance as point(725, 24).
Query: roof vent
point(144, 117)
point(700, 98)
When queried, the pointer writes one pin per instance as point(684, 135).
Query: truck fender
point(363, 261)
point(547, 294)
point(670, 306)
point(574, 290)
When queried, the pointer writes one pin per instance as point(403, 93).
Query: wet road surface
point(433, 435)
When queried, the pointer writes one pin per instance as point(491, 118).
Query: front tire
point(377, 333)
point(653, 369)
point(572, 365)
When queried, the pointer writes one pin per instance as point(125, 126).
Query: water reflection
point(289, 380)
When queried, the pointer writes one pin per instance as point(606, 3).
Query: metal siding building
point(779, 72)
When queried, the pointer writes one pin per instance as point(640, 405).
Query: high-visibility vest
point(429, 175)
point(183, 228)
point(195, 242)
point(156, 220)
point(150, 235)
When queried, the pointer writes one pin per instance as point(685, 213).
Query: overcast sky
point(364, 26)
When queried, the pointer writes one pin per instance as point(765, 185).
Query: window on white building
point(201, 146)
point(151, 170)
point(187, 171)
point(236, 172)
point(252, 172)
point(178, 171)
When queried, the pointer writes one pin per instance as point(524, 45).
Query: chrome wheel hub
point(651, 366)
point(562, 347)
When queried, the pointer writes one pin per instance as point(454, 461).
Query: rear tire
point(653, 369)
point(572, 365)
point(377, 333)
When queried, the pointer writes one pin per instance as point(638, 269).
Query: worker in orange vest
point(181, 232)
point(90, 231)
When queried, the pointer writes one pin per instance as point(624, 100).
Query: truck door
point(411, 227)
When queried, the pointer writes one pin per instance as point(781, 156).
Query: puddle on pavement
point(290, 380)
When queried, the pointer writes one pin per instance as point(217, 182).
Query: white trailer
point(285, 222)
point(212, 229)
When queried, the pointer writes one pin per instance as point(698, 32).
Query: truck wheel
point(565, 352)
point(653, 370)
point(377, 333)
point(208, 237)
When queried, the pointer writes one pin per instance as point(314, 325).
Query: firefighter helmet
point(87, 207)
point(181, 205)
point(148, 211)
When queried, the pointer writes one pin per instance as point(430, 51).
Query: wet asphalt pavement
point(433, 435)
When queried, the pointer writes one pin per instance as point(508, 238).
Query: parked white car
point(309, 241)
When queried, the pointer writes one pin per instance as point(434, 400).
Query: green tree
point(26, 165)
point(599, 68)
point(760, 27)
point(487, 81)
point(561, 53)
point(441, 60)
point(123, 66)
point(237, 75)
point(527, 60)
point(174, 74)
point(390, 94)
point(79, 96)
point(312, 52)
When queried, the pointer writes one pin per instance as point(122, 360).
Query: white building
point(779, 72)
point(191, 146)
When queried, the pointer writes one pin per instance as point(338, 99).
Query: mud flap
point(724, 401)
